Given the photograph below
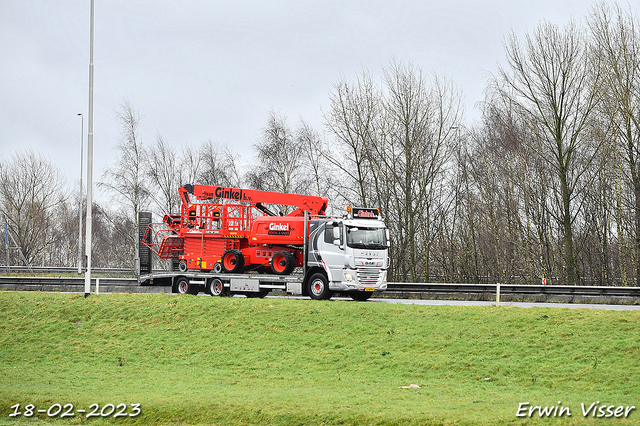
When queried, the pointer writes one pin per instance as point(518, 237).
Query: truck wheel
point(318, 287)
point(283, 262)
point(184, 287)
point(217, 268)
point(182, 266)
point(361, 296)
point(215, 287)
point(233, 261)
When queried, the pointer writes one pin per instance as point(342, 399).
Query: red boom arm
point(312, 204)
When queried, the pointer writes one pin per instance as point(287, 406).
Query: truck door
point(332, 255)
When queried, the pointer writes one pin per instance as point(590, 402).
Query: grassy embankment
point(233, 361)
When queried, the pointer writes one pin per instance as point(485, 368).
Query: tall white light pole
point(80, 203)
point(87, 276)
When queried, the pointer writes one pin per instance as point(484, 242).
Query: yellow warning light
point(348, 209)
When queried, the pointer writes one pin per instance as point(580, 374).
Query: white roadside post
point(498, 294)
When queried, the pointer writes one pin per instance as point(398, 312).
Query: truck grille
point(368, 277)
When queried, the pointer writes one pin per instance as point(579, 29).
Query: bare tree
point(319, 173)
point(510, 186)
point(392, 144)
point(552, 84)
point(190, 166)
point(127, 179)
point(217, 165)
point(278, 156)
point(164, 174)
point(354, 120)
point(616, 36)
point(420, 118)
point(31, 189)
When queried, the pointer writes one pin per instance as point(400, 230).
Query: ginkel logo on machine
point(279, 229)
point(362, 213)
point(230, 194)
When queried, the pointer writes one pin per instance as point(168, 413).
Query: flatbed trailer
point(223, 284)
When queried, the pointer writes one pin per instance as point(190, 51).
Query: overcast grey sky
point(208, 69)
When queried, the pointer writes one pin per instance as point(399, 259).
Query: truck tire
point(217, 268)
point(233, 261)
point(283, 262)
point(318, 287)
point(215, 287)
point(361, 296)
point(183, 286)
point(182, 266)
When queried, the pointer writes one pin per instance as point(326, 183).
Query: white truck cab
point(351, 253)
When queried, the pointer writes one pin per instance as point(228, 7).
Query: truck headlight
point(348, 277)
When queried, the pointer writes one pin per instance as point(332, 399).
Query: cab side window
point(328, 234)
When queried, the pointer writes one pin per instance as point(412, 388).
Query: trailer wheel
point(217, 268)
point(215, 287)
point(283, 262)
point(232, 261)
point(361, 296)
point(318, 287)
point(182, 266)
point(184, 287)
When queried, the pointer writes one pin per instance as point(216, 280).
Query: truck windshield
point(366, 238)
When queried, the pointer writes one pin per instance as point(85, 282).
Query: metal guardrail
point(63, 269)
point(65, 281)
point(563, 290)
point(426, 290)
point(76, 285)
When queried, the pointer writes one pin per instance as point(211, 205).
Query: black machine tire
point(217, 268)
point(283, 262)
point(232, 261)
point(318, 287)
point(215, 287)
point(184, 287)
point(182, 266)
point(361, 296)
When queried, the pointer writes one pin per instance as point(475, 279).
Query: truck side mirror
point(336, 235)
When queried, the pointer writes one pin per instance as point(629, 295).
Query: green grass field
point(237, 361)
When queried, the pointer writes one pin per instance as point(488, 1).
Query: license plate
point(369, 289)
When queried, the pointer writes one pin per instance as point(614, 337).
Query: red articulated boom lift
point(236, 232)
point(227, 242)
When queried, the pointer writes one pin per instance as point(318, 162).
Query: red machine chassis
point(242, 235)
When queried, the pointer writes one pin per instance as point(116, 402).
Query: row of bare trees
point(41, 217)
point(549, 178)
point(545, 186)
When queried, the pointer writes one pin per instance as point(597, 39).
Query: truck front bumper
point(361, 280)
